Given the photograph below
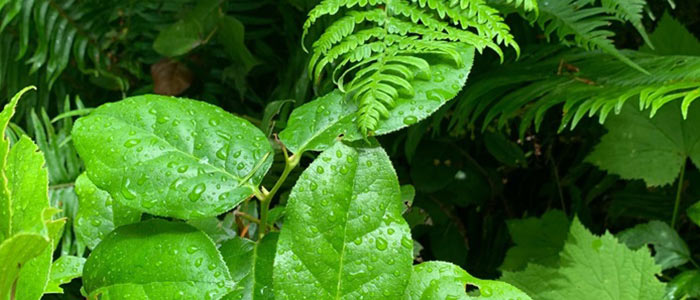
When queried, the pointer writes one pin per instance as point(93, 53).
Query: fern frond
point(579, 23)
point(584, 83)
point(368, 37)
point(630, 11)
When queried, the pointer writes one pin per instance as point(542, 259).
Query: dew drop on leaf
point(197, 192)
point(128, 194)
point(410, 120)
point(381, 244)
point(131, 143)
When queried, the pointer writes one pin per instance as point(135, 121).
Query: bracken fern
point(381, 44)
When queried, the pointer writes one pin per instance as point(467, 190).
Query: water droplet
point(197, 192)
point(198, 262)
point(486, 291)
point(148, 203)
point(213, 122)
point(240, 166)
point(237, 154)
point(192, 249)
point(222, 153)
point(381, 244)
point(406, 242)
point(410, 120)
point(338, 154)
point(198, 146)
point(439, 78)
point(343, 170)
point(95, 222)
point(313, 186)
point(365, 218)
point(324, 202)
point(211, 267)
point(128, 194)
point(390, 231)
point(162, 119)
point(319, 170)
point(455, 87)
point(131, 143)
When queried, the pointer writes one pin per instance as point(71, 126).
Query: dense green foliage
point(350, 149)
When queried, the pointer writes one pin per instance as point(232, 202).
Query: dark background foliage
point(468, 182)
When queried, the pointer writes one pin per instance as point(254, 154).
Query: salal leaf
point(97, 213)
point(343, 234)
point(317, 124)
point(63, 270)
point(592, 267)
point(250, 264)
point(537, 240)
point(156, 259)
point(172, 157)
point(443, 280)
point(218, 230)
point(670, 250)
point(652, 149)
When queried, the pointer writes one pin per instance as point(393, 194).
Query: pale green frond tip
point(378, 43)
point(22, 92)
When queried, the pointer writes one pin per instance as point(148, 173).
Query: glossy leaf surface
point(63, 270)
point(98, 214)
point(443, 280)
point(317, 124)
point(156, 259)
point(343, 234)
point(250, 264)
point(172, 157)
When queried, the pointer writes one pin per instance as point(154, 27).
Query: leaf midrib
point(177, 150)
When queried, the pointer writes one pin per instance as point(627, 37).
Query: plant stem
point(247, 217)
point(678, 196)
point(290, 163)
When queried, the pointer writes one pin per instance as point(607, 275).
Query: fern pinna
point(381, 45)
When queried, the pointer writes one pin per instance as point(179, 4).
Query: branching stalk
point(290, 163)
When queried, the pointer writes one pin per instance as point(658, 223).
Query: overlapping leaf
point(172, 157)
point(442, 280)
point(317, 124)
point(592, 267)
point(156, 259)
point(343, 234)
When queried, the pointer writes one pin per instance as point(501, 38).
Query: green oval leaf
point(251, 266)
point(97, 213)
point(172, 157)
point(443, 280)
point(343, 234)
point(317, 124)
point(156, 259)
